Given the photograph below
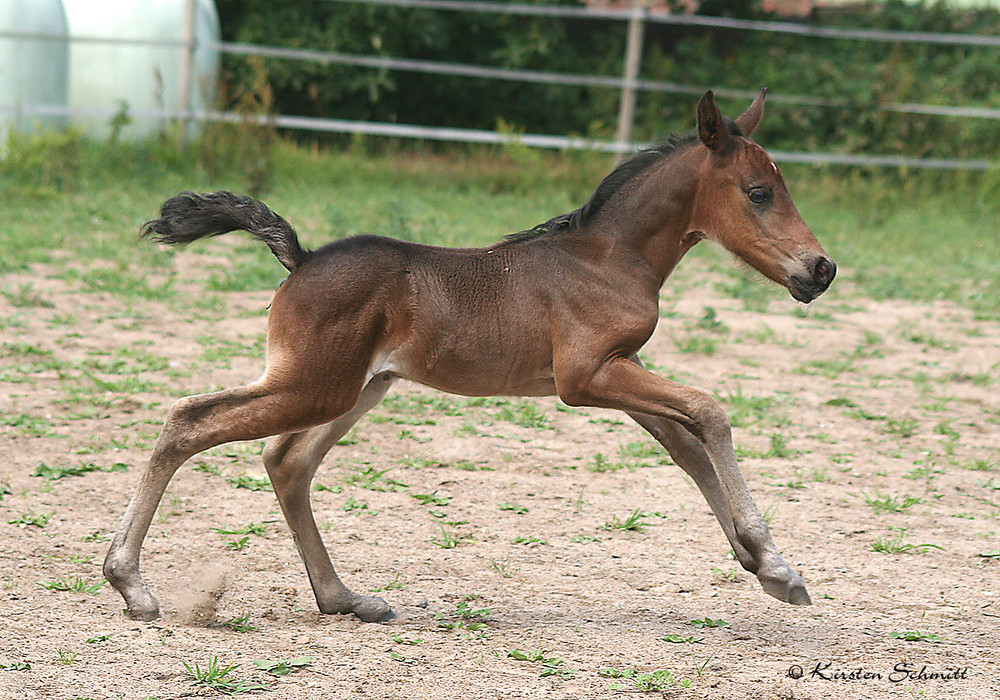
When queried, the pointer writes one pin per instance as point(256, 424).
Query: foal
point(560, 309)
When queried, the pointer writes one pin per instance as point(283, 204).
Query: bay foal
point(560, 309)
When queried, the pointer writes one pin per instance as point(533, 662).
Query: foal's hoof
point(789, 589)
point(145, 610)
point(372, 609)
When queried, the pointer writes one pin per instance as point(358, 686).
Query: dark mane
point(626, 171)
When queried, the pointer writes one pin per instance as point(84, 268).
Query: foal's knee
point(708, 419)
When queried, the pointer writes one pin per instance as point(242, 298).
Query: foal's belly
point(485, 373)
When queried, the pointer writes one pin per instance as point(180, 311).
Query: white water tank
point(146, 79)
point(33, 71)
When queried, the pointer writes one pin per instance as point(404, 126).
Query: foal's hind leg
point(291, 461)
point(194, 424)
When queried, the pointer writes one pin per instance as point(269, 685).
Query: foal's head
point(742, 203)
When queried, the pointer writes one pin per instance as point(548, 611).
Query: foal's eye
point(758, 195)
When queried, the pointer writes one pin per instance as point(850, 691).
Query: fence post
point(186, 77)
point(633, 62)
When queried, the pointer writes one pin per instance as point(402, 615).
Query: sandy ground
point(852, 404)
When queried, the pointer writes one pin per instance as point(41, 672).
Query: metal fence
point(628, 84)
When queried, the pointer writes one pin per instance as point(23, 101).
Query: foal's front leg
point(619, 383)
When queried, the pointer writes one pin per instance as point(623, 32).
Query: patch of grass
point(240, 623)
point(982, 465)
point(698, 344)
point(504, 568)
point(372, 479)
point(52, 473)
point(754, 295)
point(250, 482)
point(903, 427)
point(708, 622)
point(681, 639)
point(431, 499)
point(259, 529)
point(16, 666)
point(219, 677)
point(895, 544)
point(745, 410)
point(514, 508)
point(709, 321)
point(472, 621)
point(28, 425)
point(526, 413)
point(76, 585)
point(238, 545)
point(634, 522)
point(282, 667)
point(447, 540)
point(26, 297)
point(890, 504)
point(551, 666)
point(39, 520)
point(352, 504)
point(916, 636)
point(654, 681)
point(529, 540)
point(393, 585)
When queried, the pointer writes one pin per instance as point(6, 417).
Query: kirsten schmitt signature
point(900, 672)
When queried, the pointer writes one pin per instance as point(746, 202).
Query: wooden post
point(186, 78)
point(633, 63)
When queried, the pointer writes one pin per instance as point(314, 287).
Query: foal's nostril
point(824, 271)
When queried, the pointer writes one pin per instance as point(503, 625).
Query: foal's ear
point(749, 120)
point(712, 129)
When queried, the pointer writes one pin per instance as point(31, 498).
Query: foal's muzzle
point(821, 271)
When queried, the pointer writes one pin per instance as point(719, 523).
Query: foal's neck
point(653, 217)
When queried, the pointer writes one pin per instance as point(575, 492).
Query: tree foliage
point(858, 73)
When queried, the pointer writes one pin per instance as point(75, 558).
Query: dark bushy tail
point(189, 216)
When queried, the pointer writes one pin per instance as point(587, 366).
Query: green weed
point(916, 636)
point(39, 520)
point(259, 529)
point(890, 504)
point(551, 666)
point(527, 414)
point(708, 622)
point(472, 621)
point(431, 499)
point(282, 667)
point(654, 681)
point(634, 521)
point(52, 473)
point(447, 540)
point(250, 482)
point(895, 544)
point(240, 623)
point(372, 479)
point(514, 508)
point(76, 585)
point(529, 540)
point(218, 677)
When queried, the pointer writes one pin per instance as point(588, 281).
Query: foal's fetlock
point(140, 603)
